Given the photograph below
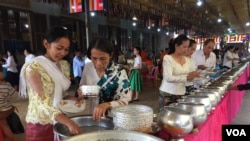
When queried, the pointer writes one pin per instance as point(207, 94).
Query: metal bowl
point(86, 123)
point(200, 99)
point(197, 110)
point(175, 121)
point(115, 136)
point(213, 98)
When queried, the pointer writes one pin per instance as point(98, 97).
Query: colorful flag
point(74, 6)
point(96, 5)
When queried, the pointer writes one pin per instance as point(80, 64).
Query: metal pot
point(86, 123)
point(175, 121)
point(115, 136)
point(197, 110)
point(200, 99)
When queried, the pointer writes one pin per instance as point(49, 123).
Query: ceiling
point(200, 20)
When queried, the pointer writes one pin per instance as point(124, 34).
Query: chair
point(152, 75)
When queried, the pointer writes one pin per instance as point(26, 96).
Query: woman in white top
point(12, 72)
point(176, 71)
point(191, 49)
point(228, 58)
point(111, 77)
point(135, 75)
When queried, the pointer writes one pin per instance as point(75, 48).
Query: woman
point(111, 78)
point(191, 49)
point(228, 58)
point(12, 72)
point(176, 71)
point(135, 75)
point(45, 78)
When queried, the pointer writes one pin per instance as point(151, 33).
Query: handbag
point(15, 123)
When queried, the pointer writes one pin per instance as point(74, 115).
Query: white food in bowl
point(90, 89)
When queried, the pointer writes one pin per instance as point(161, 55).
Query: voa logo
point(236, 132)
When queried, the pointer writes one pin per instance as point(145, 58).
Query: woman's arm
point(36, 79)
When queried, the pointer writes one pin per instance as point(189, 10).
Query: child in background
point(6, 92)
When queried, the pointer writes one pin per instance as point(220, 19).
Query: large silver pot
point(175, 121)
point(115, 136)
point(86, 123)
point(200, 99)
point(197, 110)
point(213, 98)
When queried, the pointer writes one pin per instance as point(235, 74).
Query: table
point(224, 113)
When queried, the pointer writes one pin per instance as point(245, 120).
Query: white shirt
point(29, 57)
point(89, 71)
point(11, 64)
point(200, 59)
point(174, 76)
point(235, 55)
point(191, 68)
point(226, 62)
point(138, 62)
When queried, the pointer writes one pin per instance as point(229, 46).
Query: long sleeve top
point(244, 86)
point(200, 59)
point(41, 110)
point(10, 64)
point(114, 84)
point(174, 76)
point(78, 64)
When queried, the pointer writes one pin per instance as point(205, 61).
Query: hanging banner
point(96, 5)
point(74, 6)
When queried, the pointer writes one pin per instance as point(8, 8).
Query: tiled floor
point(149, 97)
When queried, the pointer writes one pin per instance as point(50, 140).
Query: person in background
point(6, 93)
point(144, 54)
point(44, 80)
point(3, 61)
point(111, 77)
point(236, 56)
point(12, 71)
point(121, 58)
point(205, 59)
point(228, 58)
point(135, 75)
point(28, 54)
point(191, 49)
point(176, 71)
point(78, 65)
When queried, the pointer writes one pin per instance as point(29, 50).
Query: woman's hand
point(74, 129)
point(192, 75)
point(100, 110)
point(202, 67)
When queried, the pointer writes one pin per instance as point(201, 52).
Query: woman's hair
point(236, 49)
point(138, 48)
point(56, 33)
point(208, 41)
point(102, 45)
point(13, 54)
point(178, 40)
point(191, 42)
